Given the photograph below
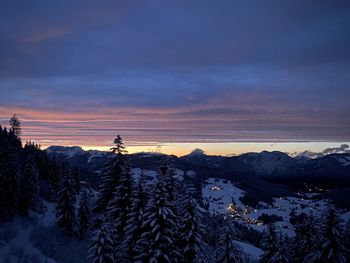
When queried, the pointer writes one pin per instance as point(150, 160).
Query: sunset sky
point(225, 76)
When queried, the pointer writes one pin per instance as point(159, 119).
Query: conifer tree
point(9, 173)
point(118, 209)
point(192, 229)
point(65, 204)
point(84, 213)
point(275, 250)
point(305, 243)
point(347, 240)
point(15, 125)
point(133, 229)
point(28, 186)
point(111, 176)
point(157, 240)
point(102, 250)
point(333, 249)
point(227, 251)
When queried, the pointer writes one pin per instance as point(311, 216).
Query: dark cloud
point(274, 69)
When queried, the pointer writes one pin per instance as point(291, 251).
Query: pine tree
point(332, 249)
point(28, 186)
point(167, 170)
point(15, 125)
point(157, 241)
point(111, 176)
point(227, 251)
point(192, 229)
point(275, 252)
point(118, 209)
point(10, 147)
point(347, 240)
point(101, 250)
point(84, 214)
point(133, 229)
point(305, 244)
point(65, 205)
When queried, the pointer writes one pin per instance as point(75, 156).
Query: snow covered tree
point(305, 243)
point(333, 249)
point(133, 229)
point(65, 204)
point(110, 177)
point(167, 170)
point(28, 186)
point(118, 209)
point(157, 240)
point(101, 250)
point(275, 249)
point(192, 229)
point(347, 240)
point(84, 213)
point(227, 251)
point(15, 125)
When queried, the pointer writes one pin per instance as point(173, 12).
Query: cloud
point(343, 148)
point(253, 71)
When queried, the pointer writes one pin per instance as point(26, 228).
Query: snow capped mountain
point(68, 152)
point(263, 165)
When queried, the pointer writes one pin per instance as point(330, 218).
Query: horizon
point(227, 78)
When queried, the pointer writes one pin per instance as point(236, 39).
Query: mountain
point(267, 165)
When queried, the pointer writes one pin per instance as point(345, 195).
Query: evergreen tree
point(275, 252)
point(192, 229)
point(227, 251)
point(111, 176)
point(101, 250)
point(119, 208)
point(157, 241)
point(347, 240)
point(28, 186)
point(133, 229)
point(84, 214)
point(333, 249)
point(305, 244)
point(10, 147)
point(65, 205)
point(15, 125)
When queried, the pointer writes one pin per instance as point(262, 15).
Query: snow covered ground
point(18, 246)
point(223, 197)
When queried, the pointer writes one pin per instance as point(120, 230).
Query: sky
point(225, 76)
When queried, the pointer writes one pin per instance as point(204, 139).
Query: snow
point(68, 152)
point(223, 198)
point(254, 252)
point(344, 160)
point(20, 248)
point(220, 194)
point(95, 154)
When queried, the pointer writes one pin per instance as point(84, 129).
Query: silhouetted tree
point(227, 251)
point(84, 213)
point(15, 125)
point(28, 186)
point(65, 204)
point(333, 249)
point(275, 249)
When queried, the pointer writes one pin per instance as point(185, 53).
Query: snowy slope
point(223, 197)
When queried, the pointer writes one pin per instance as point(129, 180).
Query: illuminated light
point(231, 208)
point(215, 188)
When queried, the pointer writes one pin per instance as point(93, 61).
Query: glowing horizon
point(212, 76)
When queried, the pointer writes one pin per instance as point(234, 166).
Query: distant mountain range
point(263, 175)
point(267, 165)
